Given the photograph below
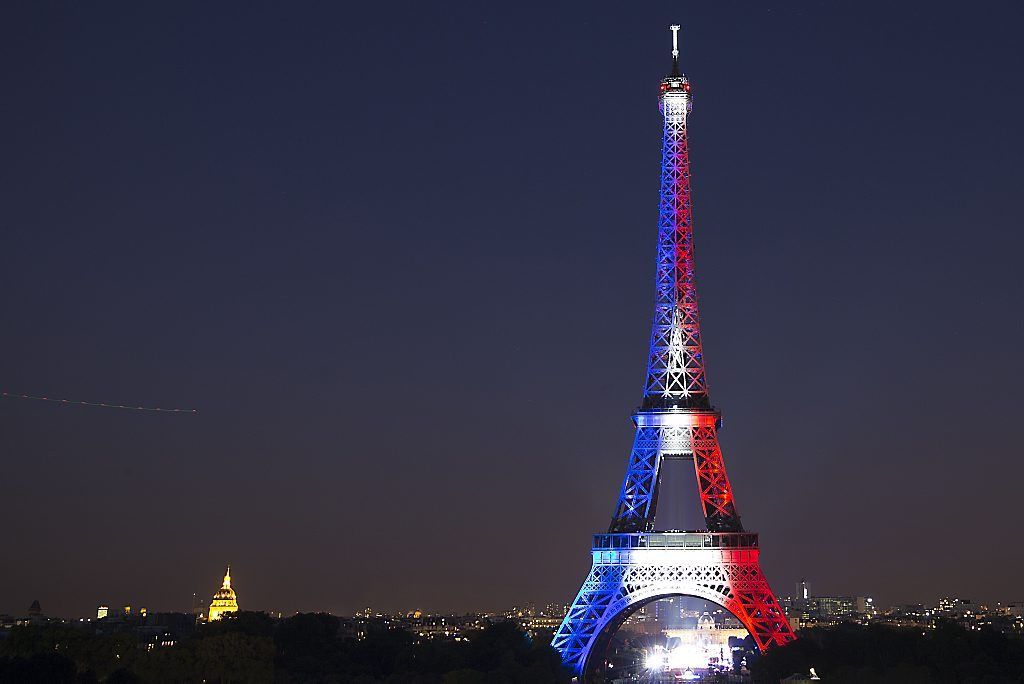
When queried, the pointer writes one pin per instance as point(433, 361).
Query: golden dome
point(224, 601)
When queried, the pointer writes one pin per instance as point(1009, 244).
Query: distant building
point(835, 608)
point(224, 601)
point(956, 607)
point(102, 612)
point(198, 606)
point(908, 615)
point(864, 607)
point(533, 623)
point(806, 610)
point(35, 615)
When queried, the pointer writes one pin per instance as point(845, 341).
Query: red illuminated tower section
point(634, 564)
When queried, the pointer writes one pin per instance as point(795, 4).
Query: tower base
point(632, 570)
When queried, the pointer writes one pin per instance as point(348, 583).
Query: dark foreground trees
point(879, 653)
point(255, 648)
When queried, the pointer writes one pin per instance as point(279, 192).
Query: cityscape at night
point(325, 325)
point(663, 641)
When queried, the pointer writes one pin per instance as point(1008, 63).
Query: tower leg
point(713, 483)
point(661, 434)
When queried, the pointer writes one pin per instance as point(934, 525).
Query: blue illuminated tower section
point(633, 564)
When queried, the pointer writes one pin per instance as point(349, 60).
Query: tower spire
point(675, 49)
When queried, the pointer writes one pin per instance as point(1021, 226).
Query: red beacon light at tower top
point(675, 83)
point(675, 97)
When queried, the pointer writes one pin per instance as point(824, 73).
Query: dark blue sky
point(400, 257)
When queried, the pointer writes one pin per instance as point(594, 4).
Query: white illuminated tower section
point(633, 564)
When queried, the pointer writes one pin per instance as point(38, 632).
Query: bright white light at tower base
point(655, 659)
point(676, 659)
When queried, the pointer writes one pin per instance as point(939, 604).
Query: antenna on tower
point(675, 49)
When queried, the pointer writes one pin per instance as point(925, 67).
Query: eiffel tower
point(633, 564)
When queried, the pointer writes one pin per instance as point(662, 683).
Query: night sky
point(400, 258)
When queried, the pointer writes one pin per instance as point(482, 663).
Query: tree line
point(253, 647)
point(881, 653)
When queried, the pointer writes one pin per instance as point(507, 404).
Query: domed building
point(224, 601)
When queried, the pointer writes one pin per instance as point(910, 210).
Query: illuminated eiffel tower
point(634, 564)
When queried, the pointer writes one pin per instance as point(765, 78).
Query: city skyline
point(401, 269)
point(835, 607)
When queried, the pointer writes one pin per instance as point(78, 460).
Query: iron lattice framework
point(632, 564)
point(697, 564)
point(681, 434)
point(675, 369)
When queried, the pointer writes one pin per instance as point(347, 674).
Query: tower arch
point(591, 660)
